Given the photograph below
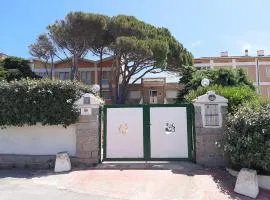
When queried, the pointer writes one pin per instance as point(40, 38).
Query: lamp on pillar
point(205, 82)
point(96, 88)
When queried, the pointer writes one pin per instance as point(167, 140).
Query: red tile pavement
point(129, 183)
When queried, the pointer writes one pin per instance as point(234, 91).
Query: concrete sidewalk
point(139, 181)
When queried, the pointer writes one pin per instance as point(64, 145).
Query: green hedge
point(49, 102)
point(247, 140)
point(236, 95)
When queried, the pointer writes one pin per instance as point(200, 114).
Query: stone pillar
point(87, 140)
point(210, 110)
point(87, 132)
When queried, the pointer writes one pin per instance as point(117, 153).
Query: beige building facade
point(256, 67)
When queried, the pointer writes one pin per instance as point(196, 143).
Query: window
point(105, 77)
point(43, 74)
point(106, 95)
point(267, 71)
point(203, 67)
point(104, 82)
point(86, 77)
point(211, 115)
point(64, 75)
point(106, 74)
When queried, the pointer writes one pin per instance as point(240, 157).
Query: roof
point(231, 57)
point(84, 59)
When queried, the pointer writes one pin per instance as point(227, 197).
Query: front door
point(153, 97)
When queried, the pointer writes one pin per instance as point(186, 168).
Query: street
point(121, 182)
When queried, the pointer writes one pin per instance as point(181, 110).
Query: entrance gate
point(148, 132)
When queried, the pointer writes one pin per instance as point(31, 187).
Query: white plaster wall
point(171, 94)
point(129, 145)
point(38, 140)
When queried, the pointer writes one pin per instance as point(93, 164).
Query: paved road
point(114, 182)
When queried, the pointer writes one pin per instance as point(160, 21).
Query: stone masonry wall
point(209, 148)
point(87, 140)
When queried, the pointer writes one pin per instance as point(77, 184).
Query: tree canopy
point(44, 49)
point(137, 47)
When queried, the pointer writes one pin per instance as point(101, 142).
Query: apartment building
point(256, 67)
point(147, 90)
point(88, 71)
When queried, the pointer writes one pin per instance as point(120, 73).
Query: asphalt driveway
point(164, 181)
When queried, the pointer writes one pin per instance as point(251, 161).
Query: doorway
point(153, 97)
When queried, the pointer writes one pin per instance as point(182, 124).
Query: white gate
point(124, 137)
point(148, 132)
point(168, 132)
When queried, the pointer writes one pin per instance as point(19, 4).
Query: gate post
point(87, 132)
point(210, 110)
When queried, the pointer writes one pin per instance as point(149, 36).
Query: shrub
point(236, 95)
point(247, 140)
point(16, 68)
point(2, 73)
point(191, 79)
point(49, 102)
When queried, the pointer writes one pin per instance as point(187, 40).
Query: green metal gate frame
point(146, 132)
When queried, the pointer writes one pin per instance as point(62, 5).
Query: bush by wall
point(247, 140)
point(236, 95)
point(49, 102)
point(191, 79)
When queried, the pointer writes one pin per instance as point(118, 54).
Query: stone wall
point(209, 148)
point(87, 140)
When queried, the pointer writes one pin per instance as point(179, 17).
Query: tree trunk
point(73, 70)
point(116, 90)
point(52, 67)
point(123, 93)
point(114, 80)
point(46, 68)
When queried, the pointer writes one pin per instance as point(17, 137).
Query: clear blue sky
point(205, 27)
